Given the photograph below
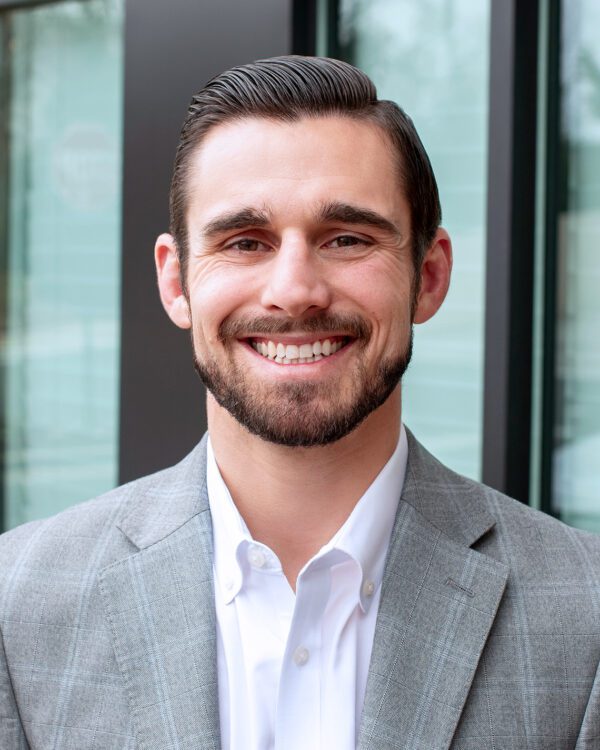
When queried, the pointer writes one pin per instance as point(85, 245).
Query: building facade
point(98, 386)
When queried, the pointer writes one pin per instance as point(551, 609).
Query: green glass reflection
point(432, 57)
point(63, 250)
point(576, 480)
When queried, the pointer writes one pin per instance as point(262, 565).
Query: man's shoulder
point(517, 520)
point(514, 517)
point(544, 553)
point(532, 543)
point(40, 542)
point(88, 535)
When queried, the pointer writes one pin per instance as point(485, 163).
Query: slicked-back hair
point(288, 89)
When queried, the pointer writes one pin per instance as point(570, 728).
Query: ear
point(435, 277)
point(169, 281)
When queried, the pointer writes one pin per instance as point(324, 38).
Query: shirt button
point(301, 656)
point(256, 557)
point(229, 584)
point(368, 588)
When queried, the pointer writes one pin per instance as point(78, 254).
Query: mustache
point(350, 325)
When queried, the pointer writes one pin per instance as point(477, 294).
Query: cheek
point(212, 300)
point(383, 291)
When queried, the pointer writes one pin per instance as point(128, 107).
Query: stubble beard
point(301, 414)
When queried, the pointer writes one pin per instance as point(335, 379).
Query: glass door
point(62, 66)
point(575, 428)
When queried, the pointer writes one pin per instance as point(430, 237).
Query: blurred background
point(98, 387)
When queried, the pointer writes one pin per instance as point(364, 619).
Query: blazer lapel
point(160, 605)
point(438, 602)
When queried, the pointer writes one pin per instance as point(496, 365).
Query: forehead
point(292, 165)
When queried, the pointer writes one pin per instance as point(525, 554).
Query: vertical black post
point(510, 246)
point(304, 27)
point(333, 21)
point(171, 49)
point(315, 27)
point(555, 186)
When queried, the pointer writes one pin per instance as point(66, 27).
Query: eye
point(246, 245)
point(348, 241)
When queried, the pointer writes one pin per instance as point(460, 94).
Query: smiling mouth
point(298, 354)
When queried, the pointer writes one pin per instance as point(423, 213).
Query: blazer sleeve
point(589, 734)
point(11, 730)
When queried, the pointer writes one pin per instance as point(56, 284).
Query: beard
point(303, 414)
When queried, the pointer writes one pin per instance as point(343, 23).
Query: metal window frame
point(308, 38)
point(510, 247)
point(555, 178)
point(304, 27)
point(8, 5)
point(512, 132)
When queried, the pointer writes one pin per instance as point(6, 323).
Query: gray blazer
point(487, 637)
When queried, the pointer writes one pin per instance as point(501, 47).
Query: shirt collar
point(230, 532)
point(364, 537)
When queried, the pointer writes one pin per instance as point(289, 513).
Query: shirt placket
point(263, 606)
point(298, 723)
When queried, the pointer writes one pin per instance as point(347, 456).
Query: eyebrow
point(346, 213)
point(241, 219)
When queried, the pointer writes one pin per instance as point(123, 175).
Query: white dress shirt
point(293, 668)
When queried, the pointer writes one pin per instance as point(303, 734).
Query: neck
point(295, 499)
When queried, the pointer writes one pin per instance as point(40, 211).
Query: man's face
point(300, 278)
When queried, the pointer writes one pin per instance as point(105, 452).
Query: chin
point(301, 414)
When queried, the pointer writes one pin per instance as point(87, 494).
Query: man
point(309, 577)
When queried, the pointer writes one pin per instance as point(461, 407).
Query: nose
point(296, 280)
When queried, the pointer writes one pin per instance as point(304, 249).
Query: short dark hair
point(292, 87)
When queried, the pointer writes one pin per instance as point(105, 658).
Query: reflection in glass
point(576, 491)
point(60, 356)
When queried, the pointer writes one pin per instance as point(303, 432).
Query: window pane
point(577, 434)
point(65, 65)
point(432, 57)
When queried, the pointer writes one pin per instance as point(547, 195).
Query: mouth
point(285, 353)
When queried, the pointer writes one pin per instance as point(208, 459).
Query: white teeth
point(292, 354)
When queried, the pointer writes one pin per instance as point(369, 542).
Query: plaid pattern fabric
point(488, 633)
